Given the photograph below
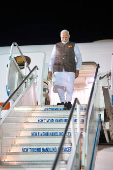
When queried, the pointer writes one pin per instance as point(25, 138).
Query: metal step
point(38, 144)
point(45, 107)
point(34, 139)
point(22, 147)
point(64, 113)
point(40, 119)
point(21, 125)
point(30, 165)
point(8, 142)
point(26, 110)
point(36, 132)
point(43, 113)
point(36, 148)
point(33, 156)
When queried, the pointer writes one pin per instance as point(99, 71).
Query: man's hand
point(76, 74)
point(49, 75)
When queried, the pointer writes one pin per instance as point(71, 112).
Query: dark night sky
point(32, 24)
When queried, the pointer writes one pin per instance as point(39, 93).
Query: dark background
point(40, 23)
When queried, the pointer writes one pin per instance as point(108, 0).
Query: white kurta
point(65, 79)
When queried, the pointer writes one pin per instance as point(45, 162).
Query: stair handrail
point(90, 98)
point(70, 120)
point(6, 102)
point(88, 112)
point(94, 92)
point(11, 51)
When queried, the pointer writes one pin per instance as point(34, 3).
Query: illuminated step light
point(4, 160)
point(34, 115)
point(9, 150)
point(24, 109)
point(81, 168)
point(26, 121)
point(15, 143)
point(19, 134)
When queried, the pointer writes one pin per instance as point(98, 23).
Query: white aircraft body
point(99, 52)
point(37, 89)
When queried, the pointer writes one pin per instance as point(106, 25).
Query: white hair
point(64, 31)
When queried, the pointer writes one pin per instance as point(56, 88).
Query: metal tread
point(41, 116)
point(46, 129)
point(44, 106)
point(28, 164)
point(41, 144)
point(32, 153)
point(50, 109)
point(38, 144)
point(38, 122)
point(38, 106)
point(41, 129)
point(38, 161)
point(35, 137)
point(46, 110)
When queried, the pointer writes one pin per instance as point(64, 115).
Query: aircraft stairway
point(31, 136)
point(49, 136)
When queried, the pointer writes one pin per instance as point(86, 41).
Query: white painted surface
point(104, 159)
point(96, 52)
point(99, 52)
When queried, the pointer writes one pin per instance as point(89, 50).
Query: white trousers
point(61, 93)
point(64, 82)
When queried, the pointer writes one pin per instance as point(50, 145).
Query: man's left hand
point(76, 74)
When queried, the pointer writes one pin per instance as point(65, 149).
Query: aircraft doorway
point(82, 85)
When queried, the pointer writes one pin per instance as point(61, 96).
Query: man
point(64, 67)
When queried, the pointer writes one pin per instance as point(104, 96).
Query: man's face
point(65, 37)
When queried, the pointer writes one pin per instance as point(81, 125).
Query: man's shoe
point(68, 105)
point(62, 103)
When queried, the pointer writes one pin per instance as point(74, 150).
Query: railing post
point(0, 112)
point(57, 166)
point(112, 80)
point(20, 86)
point(22, 56)
point(73, 132)
point(70, 120)
point(14, 43)
point(25, 66)
point(78, 118)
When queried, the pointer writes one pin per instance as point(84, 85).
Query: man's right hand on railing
point(49, 76)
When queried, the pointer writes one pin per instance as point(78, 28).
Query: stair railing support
point(72, 132)
point(78, 118)
point(0, 112)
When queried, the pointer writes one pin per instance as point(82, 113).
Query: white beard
point(65, 42)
